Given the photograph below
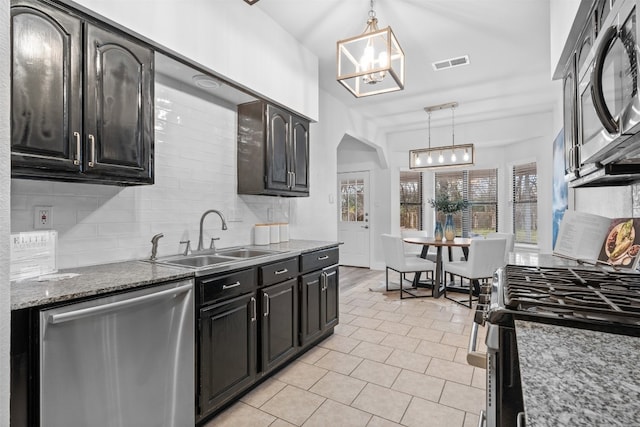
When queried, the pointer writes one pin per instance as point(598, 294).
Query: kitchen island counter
point(104, 278)
point(578, 377)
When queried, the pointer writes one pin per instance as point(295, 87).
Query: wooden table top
point(430, 241)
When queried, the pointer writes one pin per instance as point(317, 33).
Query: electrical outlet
point(42, 218)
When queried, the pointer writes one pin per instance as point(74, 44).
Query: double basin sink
point(223, 259)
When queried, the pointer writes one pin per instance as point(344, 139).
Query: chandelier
point(445, 156)
point(252, 2)
point(372, 62)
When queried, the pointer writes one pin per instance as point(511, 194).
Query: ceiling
point(507, 42)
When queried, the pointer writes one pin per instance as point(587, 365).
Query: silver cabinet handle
point(76, 135)
point(105, 308)
point(520, 420)
point(333, 273)
point(293, 179)
point(253, 310)
point(474, 357)
point(265, 299)
point(483, 419)
point(92, 142)
point(322, 258)
point(233, 285)
point(284, 270)
point(323, 282)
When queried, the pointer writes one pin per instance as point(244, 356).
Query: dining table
point(426, 242)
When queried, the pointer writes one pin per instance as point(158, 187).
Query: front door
point(353, 221)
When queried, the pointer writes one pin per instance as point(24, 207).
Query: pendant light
point(448, 156)
point(372, 62)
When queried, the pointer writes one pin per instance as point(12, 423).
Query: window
point(525, 203)
point(480, 189)
point(411, 200)
point(352, 200)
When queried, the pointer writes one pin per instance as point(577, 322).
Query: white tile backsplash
point(195, 170)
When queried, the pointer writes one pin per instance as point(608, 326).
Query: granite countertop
point(577, 377)
point(104, 278)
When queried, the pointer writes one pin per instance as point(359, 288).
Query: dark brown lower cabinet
point(319, 303)
point(279, 323)
point(227, 350)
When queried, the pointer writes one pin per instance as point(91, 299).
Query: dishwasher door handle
point(104, 308)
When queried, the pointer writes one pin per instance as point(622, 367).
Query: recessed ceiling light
point(206, 82)
point(450, 63)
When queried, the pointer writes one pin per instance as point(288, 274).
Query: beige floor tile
point(422, 413)
point(344, 329)
point(461, 355)
point(357, 302)
point(420, 385)
point(381, 401)
point(418, 321)
point(447, 326)
point(400, 342)
point(241, 415)
point(336, 414)
point(479, 379)
point(391, 317)
point(454, 339)
point(283, 423)
point(450, 371)
point(313, 355)
point(339, 343)
point(463, 318)
point(381, 422)
point(465, 398)
point(394, 328)
point(369, 335)
point(339, 362)
point(366, 322)
point(293, 404)
point(346, 308)
point(300, 374)
point(425, 334)
point(346, 318)
point(375, 372)
point(433, 349)
point(371, 351)
point(443, 316)
point(408, 360)
point(385, 306)
point(265, 391)
point(410, 308)
point(364, 312)
point(338, 387)
point(471, 420)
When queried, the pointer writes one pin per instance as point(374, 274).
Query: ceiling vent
point(451, 62)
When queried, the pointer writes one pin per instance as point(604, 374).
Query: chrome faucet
point(224, 225)
point(154, 245)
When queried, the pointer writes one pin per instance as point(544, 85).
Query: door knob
point(364, 226)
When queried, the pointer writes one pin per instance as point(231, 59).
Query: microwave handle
point(609, 123)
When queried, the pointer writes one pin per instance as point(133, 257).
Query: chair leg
point(386, 279)
point(401, 290)
point(470, 293)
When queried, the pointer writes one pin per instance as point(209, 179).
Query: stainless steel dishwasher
point(120, 361)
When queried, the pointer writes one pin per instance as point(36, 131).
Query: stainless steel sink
point(198, 261)
point(244, 252)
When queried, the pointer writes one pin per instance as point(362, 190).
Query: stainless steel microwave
point(608, 96)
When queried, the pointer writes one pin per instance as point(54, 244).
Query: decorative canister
point(449, 228)
point(275, 233)
point(437, 234)
point(284, 232)
point(261, 234)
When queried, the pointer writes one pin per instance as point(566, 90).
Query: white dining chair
point(396, 260)
point(485, 257)
point(510, 238)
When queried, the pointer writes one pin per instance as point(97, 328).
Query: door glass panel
point(39, 67)
point(120, 130)
point(352, 200)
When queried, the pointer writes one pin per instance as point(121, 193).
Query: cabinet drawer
point(318, 259)
point(225, 286)
point(278, 271)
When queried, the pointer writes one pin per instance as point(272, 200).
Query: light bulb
point(367, 58)
point(441, 158)
point(429, 159)
point(453, 156)
point(418, 160)
point(465, 156)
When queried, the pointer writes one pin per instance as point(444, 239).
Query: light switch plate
point(42, 217)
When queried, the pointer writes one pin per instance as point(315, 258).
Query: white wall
point(5, 170)
point(235, 40)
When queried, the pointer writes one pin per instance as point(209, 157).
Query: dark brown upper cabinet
point(82, 99)
point(273, 151)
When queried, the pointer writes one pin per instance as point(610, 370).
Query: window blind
point(525, 203)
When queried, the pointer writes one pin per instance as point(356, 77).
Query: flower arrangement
point(442, 203)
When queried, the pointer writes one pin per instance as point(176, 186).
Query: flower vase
point(437, 234)
point(449, 228)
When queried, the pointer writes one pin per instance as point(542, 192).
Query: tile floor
point(389, 363)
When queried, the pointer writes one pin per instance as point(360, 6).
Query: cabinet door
point(300, 154)
point(331, 297)
point(279, 323)
point(46, 108)
point(277, 167)
point(118, 107)
point(227, 351)
point(312, 319)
